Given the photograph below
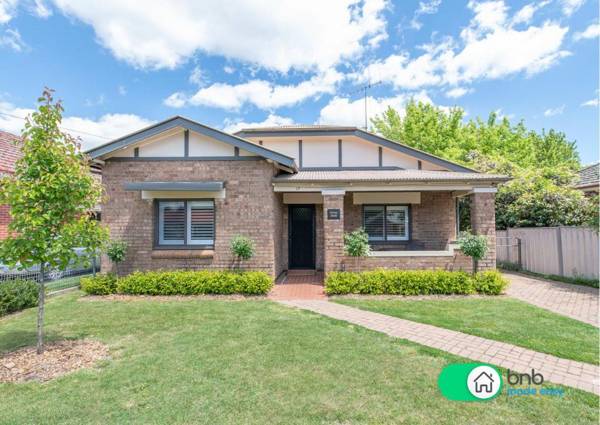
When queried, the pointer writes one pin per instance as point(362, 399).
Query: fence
point(562, 251)
point(56, 280)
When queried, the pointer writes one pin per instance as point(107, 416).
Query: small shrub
point(101, 284)
point(116, 252)
point(16, 295)
point(414, 282)
point(474, 246)
point(242, 247)
point(490, 282)
point(195, 283)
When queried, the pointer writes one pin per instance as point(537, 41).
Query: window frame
point(385, 240)
point(186, 245)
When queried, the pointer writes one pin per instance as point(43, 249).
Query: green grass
point(501, 319)
point(251, 362)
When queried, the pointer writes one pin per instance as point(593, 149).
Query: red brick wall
point(247, 209)
point(456, 262)
point(333, 233)
point(4, 220)
point(483, 222)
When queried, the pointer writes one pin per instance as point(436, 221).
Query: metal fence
point(55, 280)
point(561, 251)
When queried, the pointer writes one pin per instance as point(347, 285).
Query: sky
point(120, 65)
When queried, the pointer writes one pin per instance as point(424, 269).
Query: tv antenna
point(364, 89)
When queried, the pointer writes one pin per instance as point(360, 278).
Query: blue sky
point(119, 66)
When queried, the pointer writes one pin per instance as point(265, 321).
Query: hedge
point(181, 283)
point(16, 295)
point(101, 284)
point(414, 282)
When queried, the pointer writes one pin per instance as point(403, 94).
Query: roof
point(204, 186)
point(332, 130)
point(589, 176)
point(313, 176)
point(9, 152)
point(188, 124)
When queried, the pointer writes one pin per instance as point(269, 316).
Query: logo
point(484, 382)
point(470, 382)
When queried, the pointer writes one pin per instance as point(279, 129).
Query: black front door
point(302, 236)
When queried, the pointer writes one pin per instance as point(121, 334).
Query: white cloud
point(489, 48)
point(273, 34)
point(40, 9)
point(571, 6)
point(550, 112)
point(263, 94)
point(425, 8)
point(92, 132)
point(11, 38)
point(457, 92)
point(8, 9)
point(122, 90)
point(228, 69)
point(592, 103)
point(592, 31)
point(231, 126)
point(525, 14)
point(197, 77)
point(343, 111)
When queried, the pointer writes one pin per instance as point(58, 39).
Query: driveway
point(574, 301)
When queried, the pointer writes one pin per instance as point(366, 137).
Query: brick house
point(178, 191)
point(9, 153)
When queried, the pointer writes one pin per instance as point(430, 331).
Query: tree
point(50, 196)
point(474, 246)
point(356, 244)
point(242, 248)
point(116, 252)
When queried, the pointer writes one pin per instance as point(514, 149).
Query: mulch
point(58, 359)
point(121, 297)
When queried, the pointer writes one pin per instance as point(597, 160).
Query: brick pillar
point(333, 230)
point(483, 222)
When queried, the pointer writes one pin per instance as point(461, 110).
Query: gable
point(179, 137)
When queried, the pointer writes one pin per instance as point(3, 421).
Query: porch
point(411, 225)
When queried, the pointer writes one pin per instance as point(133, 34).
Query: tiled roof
point(589, 175)
point(385, 176)
point(9, 152)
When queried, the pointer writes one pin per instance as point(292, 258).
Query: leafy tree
point(50, 196)
point(116, 251)
point(474, 246)
point(356, 244)
point(543, 165)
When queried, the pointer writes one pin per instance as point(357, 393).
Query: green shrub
point(474, 246)
point(16, 295)
point(101, 284)
point(242, 247)
point(490, 282)
point(414, 282)
point(195, 283)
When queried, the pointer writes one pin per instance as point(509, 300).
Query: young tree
point(116, 252)
point(242, 249)
point(50, 196)
point(474, 246)
point(356, 244)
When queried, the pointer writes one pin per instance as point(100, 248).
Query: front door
point(301, 236)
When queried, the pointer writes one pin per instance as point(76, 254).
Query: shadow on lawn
point(14, 340)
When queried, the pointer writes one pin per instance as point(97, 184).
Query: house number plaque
point(333, 214)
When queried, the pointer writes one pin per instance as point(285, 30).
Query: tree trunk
point(475, 265)
point(40, 315)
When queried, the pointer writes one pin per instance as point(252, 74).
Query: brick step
point(301, 272)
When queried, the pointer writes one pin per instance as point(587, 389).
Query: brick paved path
point(299, 285)
point(574, 301)
point(554, 369)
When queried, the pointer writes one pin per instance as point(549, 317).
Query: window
point(186, 223)
point(386, 222)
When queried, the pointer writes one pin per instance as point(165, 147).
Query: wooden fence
point(562, 251)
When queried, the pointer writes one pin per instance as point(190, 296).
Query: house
point(589, 179)
point(178, 191)
point(9, 153)
point(484, 383)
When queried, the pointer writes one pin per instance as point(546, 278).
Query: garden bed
point(58, 359)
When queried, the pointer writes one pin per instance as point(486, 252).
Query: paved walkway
point(554, 369)
point(299, 285)
point(574, 301)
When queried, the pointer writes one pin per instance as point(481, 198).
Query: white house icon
point(484, 382)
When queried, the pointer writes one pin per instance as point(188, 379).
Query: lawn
point(501, 319)
point(251, 362)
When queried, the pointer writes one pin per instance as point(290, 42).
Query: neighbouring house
point(9, 153)
point(589, 179)
point(178, 191)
